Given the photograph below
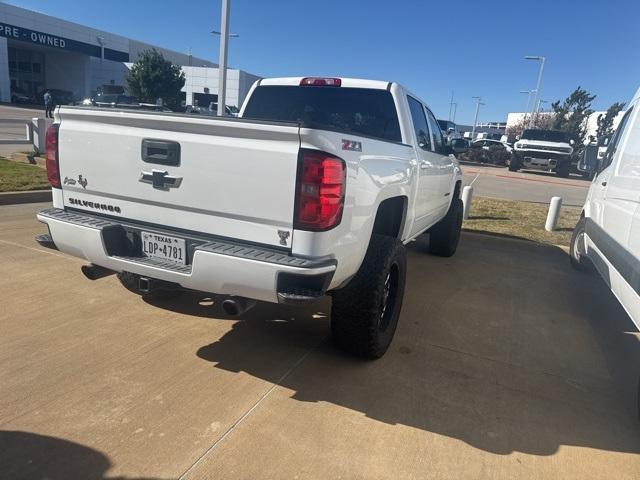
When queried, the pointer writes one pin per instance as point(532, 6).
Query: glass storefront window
point(26, 71)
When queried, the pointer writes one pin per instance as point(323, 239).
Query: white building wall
point(5, 82)
point(199, 78)
point(105, 72)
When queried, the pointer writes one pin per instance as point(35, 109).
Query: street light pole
point(540, 102)
point(475, 120)
point(450, 105)
point(528, 92)
point(537, 90)
point(222, 67)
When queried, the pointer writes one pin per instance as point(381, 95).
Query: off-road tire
point(130, 282)
point(445, 235)
point(563, 170)
point(577, 255)
point(359, 323)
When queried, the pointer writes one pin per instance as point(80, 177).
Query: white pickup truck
point(314, 189)
point(546, 150)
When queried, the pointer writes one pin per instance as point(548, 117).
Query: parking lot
point(506, 364)
point(526, 186)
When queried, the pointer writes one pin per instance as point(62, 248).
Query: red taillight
point(51, 144)
point(321, 82)
point(321, 185)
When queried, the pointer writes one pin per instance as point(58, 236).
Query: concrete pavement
point(506, 364)
point(527, 186)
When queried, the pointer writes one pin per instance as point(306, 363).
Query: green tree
point(570, 116)
point(153, 77)
point(605, 122)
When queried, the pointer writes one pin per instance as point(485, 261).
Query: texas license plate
point(165, 247)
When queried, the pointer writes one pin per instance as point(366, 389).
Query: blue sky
point(473, 48)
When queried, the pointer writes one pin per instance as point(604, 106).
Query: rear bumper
point(217, 266)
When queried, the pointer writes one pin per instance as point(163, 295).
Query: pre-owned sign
point(36, 37)
point(54, 41)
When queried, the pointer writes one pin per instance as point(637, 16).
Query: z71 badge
point(351, 145)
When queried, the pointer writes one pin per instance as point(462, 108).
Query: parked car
point(60, 97)
point(546, 150)
point(459, 145)
point(493, 151)
point(315, 189)
point(114, 100)
point(491, 145)
point(607, 236)
point(19, 95)
point(449, 130)
point(212, 110)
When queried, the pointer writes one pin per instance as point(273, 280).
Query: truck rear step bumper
point(216, 265)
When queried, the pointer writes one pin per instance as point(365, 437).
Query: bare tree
point(540, 121)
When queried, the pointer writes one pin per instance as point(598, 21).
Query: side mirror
point(447, 150)
point(589, 161)
point(572, 142)
point(517, 137)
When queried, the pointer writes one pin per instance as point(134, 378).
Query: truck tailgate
point(232, 178)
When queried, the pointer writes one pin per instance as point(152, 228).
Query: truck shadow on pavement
point(28, 456)
point(503, 346)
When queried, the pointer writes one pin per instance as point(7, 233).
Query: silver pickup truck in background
point(315, 189)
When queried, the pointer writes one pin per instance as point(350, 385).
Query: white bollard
point(39, 126)
point(467, 195)
point(554, 213)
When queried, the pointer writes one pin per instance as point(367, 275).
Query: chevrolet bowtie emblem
point(160, 179)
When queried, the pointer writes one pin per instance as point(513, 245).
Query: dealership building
point(39, 52)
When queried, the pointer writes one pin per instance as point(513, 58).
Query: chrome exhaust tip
point(236, 306)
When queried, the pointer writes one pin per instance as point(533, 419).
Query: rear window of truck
point(362, 111)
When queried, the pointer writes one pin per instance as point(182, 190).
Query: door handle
point(604, 184)
point(424, 164)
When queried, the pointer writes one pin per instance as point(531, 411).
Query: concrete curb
point(513, 239)
point(32, 196)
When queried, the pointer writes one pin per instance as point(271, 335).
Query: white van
point(608, 233)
